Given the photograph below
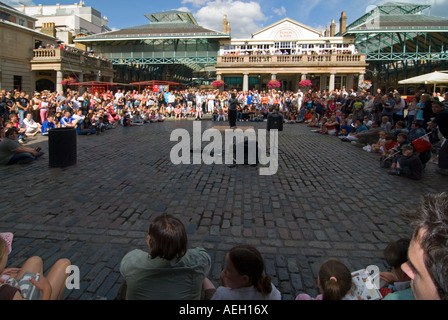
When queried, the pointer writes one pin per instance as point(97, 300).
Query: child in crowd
point(29, 282)
point(48, 125)
point(244, 277)
point(334, 280)
point(395, 254)
point(408, 164)
point(385, 125)
point(376, 147)
point(390, 145)
point(344, 129)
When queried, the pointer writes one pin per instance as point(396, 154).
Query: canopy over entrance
point(435, 78)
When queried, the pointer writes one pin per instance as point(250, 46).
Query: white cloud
point(243, 16)
point(280, 11)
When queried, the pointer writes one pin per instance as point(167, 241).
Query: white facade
point(76, 19)
point(289, 52)
point(288, 37)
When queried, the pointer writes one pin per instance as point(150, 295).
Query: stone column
point(350, 81)
point(274, 76)
point(304, 76)
point(59, 77)
point(332, 80)
point(361, 76)
point(218, 76)
point(245, 82)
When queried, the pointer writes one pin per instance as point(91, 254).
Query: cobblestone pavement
point(328, 199)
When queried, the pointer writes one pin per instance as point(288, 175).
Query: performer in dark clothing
point(233, 104)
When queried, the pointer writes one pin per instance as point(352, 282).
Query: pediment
point(286, 30)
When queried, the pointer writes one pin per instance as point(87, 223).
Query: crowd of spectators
point(358, 117)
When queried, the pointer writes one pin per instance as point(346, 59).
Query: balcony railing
point(334, 59)
point(58, 55)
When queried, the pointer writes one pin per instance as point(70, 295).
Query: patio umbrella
point(429, 78)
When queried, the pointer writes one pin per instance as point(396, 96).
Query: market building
point(289, 52)
point(400, 41)
point(34, 58)
point(172, 46)
point(18, 38)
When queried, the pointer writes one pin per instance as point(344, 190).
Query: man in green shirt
point(169, 271)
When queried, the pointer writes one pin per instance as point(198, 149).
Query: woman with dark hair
point(244, 277)
point(170, 271)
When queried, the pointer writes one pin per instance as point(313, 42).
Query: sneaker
point(21, 141)
point(40, 154)
point(393, 173)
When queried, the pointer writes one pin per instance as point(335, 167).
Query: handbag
point(422, 144)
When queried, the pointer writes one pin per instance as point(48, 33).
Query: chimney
point(332, 28)
point(343, 23)
point(226, 25)
point(49, 28)
point(327, 32)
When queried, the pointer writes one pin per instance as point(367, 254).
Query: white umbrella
point(429, 78)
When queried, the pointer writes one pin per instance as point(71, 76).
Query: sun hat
point(8, 239)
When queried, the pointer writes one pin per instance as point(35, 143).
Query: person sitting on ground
point(11, 152)
point(14, 122)
point(385, 124)
point(376, 147)
point(177, 112)
point(400, 127)
point(355, 135)
point(408, 164)
point(390, 146)
point(416, 131)
point(244, 277)
point(334, 281)
point(313, 122)
point(48, 125)
point(21, 284)
point(221, 115)
point(322, 125)
point(395, 254)
point(428, 251)
point(67, 121)
point(137, 119)
point(32, 127)
point(170, 271)
point(344, 128)
point(332, 126)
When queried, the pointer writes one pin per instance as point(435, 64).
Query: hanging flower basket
point(365, 85)
point(68, 81)
point(273, 84)
point(218, 83)
point(305, 84)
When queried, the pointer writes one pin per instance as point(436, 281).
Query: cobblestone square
point(328, 199)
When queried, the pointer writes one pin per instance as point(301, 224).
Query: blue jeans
point(20, 157)
point(21, 116)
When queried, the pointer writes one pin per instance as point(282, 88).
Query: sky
point(245, 16)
